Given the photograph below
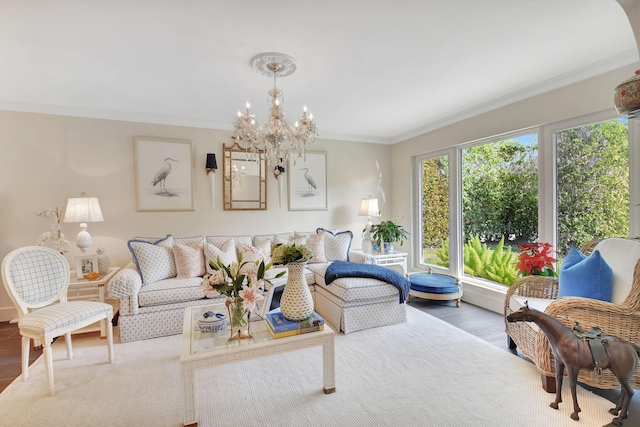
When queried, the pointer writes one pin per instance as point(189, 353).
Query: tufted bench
point(435, 286)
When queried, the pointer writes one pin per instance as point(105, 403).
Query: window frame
point(547, 197)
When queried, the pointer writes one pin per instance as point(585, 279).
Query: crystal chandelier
point(276, 137)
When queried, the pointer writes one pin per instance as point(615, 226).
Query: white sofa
point(152, 295)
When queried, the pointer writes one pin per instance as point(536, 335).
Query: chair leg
point(67, 340)
point(110, 339)
point(26, 344)
point(548, 383)
point(48, 364)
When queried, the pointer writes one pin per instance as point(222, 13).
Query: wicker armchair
point(619, 319)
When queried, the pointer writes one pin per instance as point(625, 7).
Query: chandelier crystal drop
point(276, 137)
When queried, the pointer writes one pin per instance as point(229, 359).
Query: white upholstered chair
point(35, 277)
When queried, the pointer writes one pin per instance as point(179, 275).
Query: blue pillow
point(585, 276)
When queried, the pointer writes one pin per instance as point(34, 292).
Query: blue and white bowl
point(212, 322)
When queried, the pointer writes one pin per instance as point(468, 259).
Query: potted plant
point(387, 233)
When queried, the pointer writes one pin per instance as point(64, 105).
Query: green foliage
point(435, 200)
point(443, 253)
point(497, 265)
point(593, 183)
point(389, 232)
point(500, 190)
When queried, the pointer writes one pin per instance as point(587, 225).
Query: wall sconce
point(278, 172)
point(211, 167)
point(368, 208)
point(83, 209)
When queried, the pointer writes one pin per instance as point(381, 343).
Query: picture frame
point(308, 183)
point(86, 264)
point(164, 174)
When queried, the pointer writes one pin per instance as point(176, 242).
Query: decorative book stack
point(281, 327)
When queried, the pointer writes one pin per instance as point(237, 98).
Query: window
point(564, 183)
point(434, 193)
point(592, 183)
point(499, 205)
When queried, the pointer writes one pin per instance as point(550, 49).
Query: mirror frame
point(232, 202)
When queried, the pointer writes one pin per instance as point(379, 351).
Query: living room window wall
point(564, 183)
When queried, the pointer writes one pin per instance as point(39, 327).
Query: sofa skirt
point(159, 321)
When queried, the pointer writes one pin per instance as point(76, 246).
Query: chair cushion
point(622, 256)
point(585, 276)
point(54, 317)
point(433, 284)
point(171, 291)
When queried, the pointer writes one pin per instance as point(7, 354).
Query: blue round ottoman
point(435, 287)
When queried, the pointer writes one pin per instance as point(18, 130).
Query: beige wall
point(589, 96)
point(46, 159)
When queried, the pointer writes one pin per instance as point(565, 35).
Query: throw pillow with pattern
point(154, 261)
point(189, 259)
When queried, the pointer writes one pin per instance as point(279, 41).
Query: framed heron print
point(164, 174)
point(308, 183)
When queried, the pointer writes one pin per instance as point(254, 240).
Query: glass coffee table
point(206, 349)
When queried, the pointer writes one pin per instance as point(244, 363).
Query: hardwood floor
point(477, 321)
point(484, 324)
point(10, 366)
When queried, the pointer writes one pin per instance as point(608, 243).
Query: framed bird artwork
point(308, 182)
point(164, 174)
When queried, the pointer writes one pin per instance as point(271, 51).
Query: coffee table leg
point(189, 403)
point(329, 365)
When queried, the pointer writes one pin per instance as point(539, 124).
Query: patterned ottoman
point(356, 303)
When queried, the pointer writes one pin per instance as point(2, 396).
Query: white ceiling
point(369, 70)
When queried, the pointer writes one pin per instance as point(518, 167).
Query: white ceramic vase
point(296, 303)
point(103, 260)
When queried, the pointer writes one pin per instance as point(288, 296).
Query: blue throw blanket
point(339, 269)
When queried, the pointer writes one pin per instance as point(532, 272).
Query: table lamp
point(368, 208)
point(83, 210)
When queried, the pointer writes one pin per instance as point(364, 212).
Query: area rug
point(421, 373)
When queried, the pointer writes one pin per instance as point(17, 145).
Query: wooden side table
point(90, 290)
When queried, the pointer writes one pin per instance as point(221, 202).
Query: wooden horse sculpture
point(621, 357)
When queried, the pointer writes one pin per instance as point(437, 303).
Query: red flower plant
point(536, 259)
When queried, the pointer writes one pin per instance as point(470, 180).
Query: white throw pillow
point(227, 254)
point(189, 259)
point(336, 245)
point(316, 243)
point(154, 261)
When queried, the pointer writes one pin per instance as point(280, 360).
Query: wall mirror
point(245, 179)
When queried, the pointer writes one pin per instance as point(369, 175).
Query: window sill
point(484, 294)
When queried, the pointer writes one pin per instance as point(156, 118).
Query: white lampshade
point(83, 210)
point(369, 207)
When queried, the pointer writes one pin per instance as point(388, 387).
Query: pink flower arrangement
point(240, 282)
